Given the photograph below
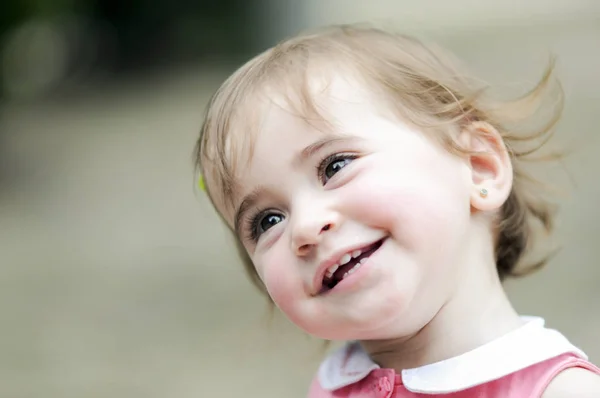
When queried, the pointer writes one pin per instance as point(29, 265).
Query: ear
point(491, 167)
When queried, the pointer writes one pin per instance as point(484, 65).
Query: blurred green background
point(116, 280)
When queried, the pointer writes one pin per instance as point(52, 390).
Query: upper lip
point(333, 259)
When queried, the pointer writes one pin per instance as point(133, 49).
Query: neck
point(476, 314)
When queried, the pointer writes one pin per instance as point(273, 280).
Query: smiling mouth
point(336, 273)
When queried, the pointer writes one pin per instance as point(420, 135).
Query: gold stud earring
point(483, 192)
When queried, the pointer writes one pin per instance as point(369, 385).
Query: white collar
point(529, 344)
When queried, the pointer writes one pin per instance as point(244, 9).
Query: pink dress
point(519, 364)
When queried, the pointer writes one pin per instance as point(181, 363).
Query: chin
point(357, 325)
point(375, 312)
point(394, 318)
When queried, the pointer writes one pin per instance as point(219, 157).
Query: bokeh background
point(116, 278)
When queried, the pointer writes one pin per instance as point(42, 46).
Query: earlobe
point(490, 164)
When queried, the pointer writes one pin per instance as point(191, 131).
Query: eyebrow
point(250, 200)
point(315, 147)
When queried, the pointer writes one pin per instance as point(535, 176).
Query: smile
point(346, 265)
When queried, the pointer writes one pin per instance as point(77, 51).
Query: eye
point(268, 221)
point(331, 165)
point(262, 222)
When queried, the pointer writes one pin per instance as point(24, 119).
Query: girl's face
point(357, 233)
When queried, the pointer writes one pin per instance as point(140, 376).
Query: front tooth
point(345, 259)
point(362, 260)
point(332, 269)
point(356, 253)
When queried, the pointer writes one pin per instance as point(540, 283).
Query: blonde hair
point(424, 88)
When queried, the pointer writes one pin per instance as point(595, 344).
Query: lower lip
point(351, 280)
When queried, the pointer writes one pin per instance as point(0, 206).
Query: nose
point(310, 228)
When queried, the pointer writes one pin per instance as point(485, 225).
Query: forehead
point(334, 105)
point(277, 117)
point(276, 124)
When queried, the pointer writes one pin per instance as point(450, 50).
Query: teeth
point(351, 270)
point(331, 270)
point(345, 259)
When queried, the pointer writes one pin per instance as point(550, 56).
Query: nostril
point(303, 249)
point(326, 228)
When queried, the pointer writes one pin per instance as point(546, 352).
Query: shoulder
point(574, 383)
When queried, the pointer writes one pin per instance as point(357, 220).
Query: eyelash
point(322, 166)
point(253, 219)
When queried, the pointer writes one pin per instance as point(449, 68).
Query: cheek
point(282, 282)
point(419, 207)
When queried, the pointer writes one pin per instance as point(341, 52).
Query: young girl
point(379, 199)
